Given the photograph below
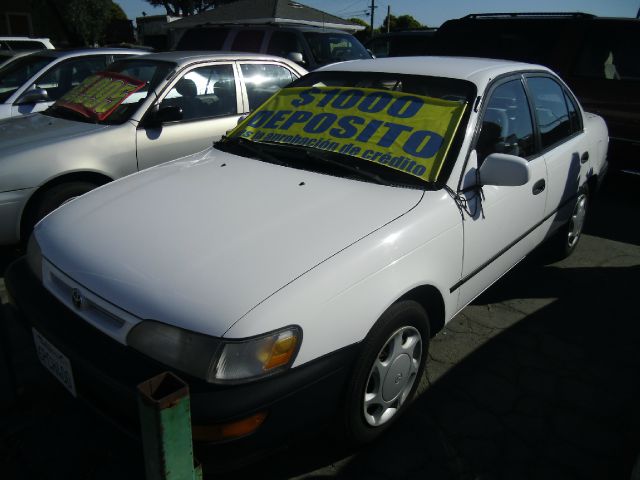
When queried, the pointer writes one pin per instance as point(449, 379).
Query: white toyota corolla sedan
point(297, 270)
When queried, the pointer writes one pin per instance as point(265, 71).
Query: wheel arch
point(79, 176)
point(430, 298)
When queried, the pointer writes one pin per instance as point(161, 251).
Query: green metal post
point(165, 417)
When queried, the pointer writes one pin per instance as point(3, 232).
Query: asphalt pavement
point(538, 379)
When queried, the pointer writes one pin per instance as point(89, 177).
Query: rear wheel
point(567, 238)
point(49, 200)
point(388, 371)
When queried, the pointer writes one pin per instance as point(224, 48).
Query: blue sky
point(434, 12)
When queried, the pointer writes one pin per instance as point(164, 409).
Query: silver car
point(188, 101)
point(33, 82)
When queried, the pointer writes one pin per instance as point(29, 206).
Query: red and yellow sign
point(99, 95)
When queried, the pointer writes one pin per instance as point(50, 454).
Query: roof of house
point(266, 11)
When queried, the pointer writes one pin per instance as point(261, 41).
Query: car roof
point(80, 52)
point(268, 26)
point(476, 70)
point(186, 57)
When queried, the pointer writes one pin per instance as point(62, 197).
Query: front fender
point(337, 302)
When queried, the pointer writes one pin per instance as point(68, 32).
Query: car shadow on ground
point(555, 395)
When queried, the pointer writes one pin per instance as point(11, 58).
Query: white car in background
point(31, 83)
point(25, 43)
point(188, 101)
point(300, 267)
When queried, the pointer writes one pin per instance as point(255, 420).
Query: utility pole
point(388, 18)
point(373, 7)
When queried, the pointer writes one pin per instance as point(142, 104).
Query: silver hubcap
point(392, 375)
point(577, 220)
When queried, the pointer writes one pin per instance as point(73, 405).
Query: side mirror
point(36, 95)
point(160, 115)
point(505, 170)
point(296, 57)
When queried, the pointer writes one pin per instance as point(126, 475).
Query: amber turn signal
point(228, 431)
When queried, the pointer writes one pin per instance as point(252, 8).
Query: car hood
point(31, 131)
point(199, 242)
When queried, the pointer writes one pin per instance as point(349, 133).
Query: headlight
point(34, 257)
point(217, 360)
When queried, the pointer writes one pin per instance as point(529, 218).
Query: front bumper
point(106, 374)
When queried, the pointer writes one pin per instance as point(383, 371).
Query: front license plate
point(54, 361)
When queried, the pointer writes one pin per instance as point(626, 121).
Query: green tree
point(187, 7)
point(361, 35)
point(403, 22)
point(117, 13)
point(86, 21)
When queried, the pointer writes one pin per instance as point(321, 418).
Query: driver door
point(502, 226)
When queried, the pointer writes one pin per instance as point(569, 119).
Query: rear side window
point(248, 41)
point(203, 39)
point(610, 52)
point(552, 115)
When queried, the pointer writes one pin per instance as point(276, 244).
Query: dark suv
point(596, 56)
point(403, 43)
point(311, 47)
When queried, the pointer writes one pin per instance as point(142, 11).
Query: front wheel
point(388, 371)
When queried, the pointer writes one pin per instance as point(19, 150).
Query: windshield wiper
point(324, 157)
point(248, 146)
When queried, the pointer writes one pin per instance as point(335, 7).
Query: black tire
point(565, 241)
point(403, 318)
point(50, 199)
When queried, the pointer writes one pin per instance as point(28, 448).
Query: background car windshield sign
point(403, 131)
point(99, 95)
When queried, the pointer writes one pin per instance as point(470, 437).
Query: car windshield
point(386, 128)
point(335, 47)
point(150, 72)
point(16, 73)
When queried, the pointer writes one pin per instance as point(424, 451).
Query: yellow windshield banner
point(99, 95)
point(407, 132)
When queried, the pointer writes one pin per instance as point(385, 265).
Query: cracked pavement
point(538, 379)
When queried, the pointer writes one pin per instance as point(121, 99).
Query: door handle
point(538, 187)
point(584, 157)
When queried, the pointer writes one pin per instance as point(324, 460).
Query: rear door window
point(263, 80)
point(552, 115)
